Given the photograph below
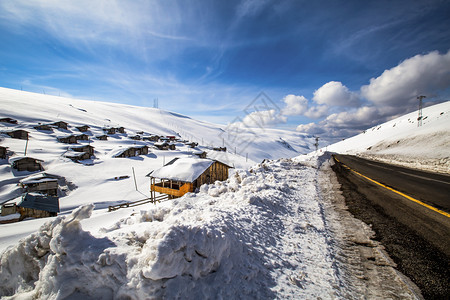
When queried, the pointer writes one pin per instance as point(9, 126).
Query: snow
point(185, 169)
point(261, 234)
point(274, 229)
point(400, 141)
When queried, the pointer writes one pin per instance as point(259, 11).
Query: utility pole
point(419, 118)
point(317, 143)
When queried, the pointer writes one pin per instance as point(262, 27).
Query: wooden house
point(102, 137)
point(3, 152)
point(224, 149)
point(82, 137)
point(34, 205)
point(135, 137)
point(200, 153)
point(83, 148)
point(68, 139)
point(18, 134)
point(42, 183)
point(45, 127)
point(141, 150)
point(8, 120)
point(24, 163)
point(164, 146)
point(152, 138)
point(83, 128)
point(76, 156)
point(191, 144)
point(183, 175)
point(60, 124)
point(109, 130)
point(131, 151)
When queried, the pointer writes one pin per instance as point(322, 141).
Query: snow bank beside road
point(261, 234)
point(402, 142)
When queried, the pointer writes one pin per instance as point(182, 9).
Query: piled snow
point(401, 141)
point(263, 233)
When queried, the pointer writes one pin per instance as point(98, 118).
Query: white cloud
point(334, 93)
point(264, 118)
point(311, 128)
point(299, 106)
point(361, 117)
point(316, 112)
point(418, 75)
point(295, 105)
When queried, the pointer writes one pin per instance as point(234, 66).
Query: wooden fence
point(138, 202)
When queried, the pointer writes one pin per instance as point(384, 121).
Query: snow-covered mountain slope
point(94, 179)
point(401, 141)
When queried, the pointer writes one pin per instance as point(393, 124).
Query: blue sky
point(330, 68)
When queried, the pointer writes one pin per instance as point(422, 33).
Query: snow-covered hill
point(401, 141)
point(94, 179)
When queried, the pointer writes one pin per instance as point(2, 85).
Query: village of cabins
point(40, 190)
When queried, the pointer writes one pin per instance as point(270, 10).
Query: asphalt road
point(415, 236)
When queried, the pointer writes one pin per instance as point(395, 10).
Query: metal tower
point(419, 118)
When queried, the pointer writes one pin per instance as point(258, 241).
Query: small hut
point(164, 146)
point(8, 120)
point(68, 139)
point(3, 152)
point(135, 137)
point(18, 134)
point(60, 124)
point(24, 163)
point(77, 156)
point(224, 149)
point(109, 130)
point(141, 150)
point(131, 151)
point(44, 127)
point(35, 205)
point(199, 153)
point(183, 175)
point(83, 148)
point(102, 137)
point(191, 144)
point(83, 128)
point(152, 138)
point(42, 183)
point(82, 137)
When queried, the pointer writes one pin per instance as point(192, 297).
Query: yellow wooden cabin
point(183, 175)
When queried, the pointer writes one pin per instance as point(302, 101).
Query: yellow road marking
point(397, 192)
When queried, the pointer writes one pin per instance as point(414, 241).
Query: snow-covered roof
point(41, 177)
point(16, 158)
point(41, 202)
point(185, 169)
point(74, 154)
